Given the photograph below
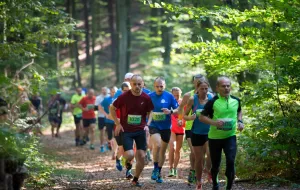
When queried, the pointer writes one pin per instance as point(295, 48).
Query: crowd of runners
point(138, 125)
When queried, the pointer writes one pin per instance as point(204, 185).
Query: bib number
point(198, 112)
point(134, 119)
point(228, 124)
point(90, 106)
point(159, 116)
point(78, 115)
point(53, 111)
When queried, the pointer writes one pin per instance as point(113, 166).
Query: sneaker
point(77, 142)
point(159, 179)
point(155, 174)
point(199, 186)
point(171, 172)
point(87, 139)
point(148, 155)
point(102, 150)
point(191, 177)
point(118, 165)
point(136, 184)
point(175, 172)
point(129, 174)
point(82, 142)
point(92, 147)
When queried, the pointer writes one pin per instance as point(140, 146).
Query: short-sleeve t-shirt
point(74, 100)
point(118, 93)
point(99, 100)
point(105, 104)
point(133, 110)
point(62, 103)
point(146, 90)
point(160, 120)
point(89, 103)
point(175, 127)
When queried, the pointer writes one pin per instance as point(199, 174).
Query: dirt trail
point(99, 169)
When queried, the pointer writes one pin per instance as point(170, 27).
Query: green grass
point(71, 174)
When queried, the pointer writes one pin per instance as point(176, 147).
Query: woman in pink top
point(176, 137)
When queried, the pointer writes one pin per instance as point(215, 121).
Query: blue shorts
point(101, 123)
point(88, 122)
point(139, 137)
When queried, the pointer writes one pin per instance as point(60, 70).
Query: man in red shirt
point(135, 106)
point(87, 105)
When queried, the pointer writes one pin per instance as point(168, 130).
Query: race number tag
point(134, 119)
point(79, 115)
point(198, 112)
point(228, 124)
point(158, 116)
point(90, 106)
point(53, 111)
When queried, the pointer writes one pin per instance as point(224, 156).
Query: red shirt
point(175, 127)
point(133, 106)
point(90, 103)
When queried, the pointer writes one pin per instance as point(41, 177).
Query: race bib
point(158, 116)
point(134, 119)
point(198, 112)
point(53, 111)
point(228, 124)
point(78, 115)
point(90, 106)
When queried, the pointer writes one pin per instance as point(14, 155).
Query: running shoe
point(92, 147)
point(148, 155)
point(155, 174)
point(129, 174)
point(102, 150)
point(77, 142)
point(82, 142)
point(199, 186)
point(159, 179)
point(87, 139)
point(175, 172)
point(136, 184)
point(123, 161)
point(119, 165)
point(192, 177)
point(171, 172)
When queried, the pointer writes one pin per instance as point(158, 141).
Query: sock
point(135, 179)
point(159, 169)
point(128, 166)
point(155, 165)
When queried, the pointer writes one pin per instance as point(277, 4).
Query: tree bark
point(75, 48)
point(87, 30)
point(94, 30)
point(166, 38)
point(128, 23)
point(112, 30)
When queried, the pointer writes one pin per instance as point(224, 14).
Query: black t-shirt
point(36, 103)
point(2, 102)
point(62, 103)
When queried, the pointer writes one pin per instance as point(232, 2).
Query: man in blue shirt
point(127, 78)
point(109, 123)
point(160, 124)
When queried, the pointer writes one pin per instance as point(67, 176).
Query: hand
point(118, 129)
point(218, 124)
point(193, 116)
point(166, 111)
point(146, 128)
point(180, 122)
point(240, 126)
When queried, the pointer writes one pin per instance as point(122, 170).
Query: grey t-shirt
point(98, 102)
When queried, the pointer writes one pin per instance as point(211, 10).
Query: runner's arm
point(58, 108)
point(183, 103)
point(190, 103)
point(112, 111)
point(100, 108)
point(149, 118)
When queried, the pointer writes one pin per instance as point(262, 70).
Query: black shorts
point(188, 134)
point(101, 123)
point(164, 134)
point(109, 130)
point(119, 139)
point(88, 122)
point(53, 119)
point(77, 119)
point(139, 137)
point(199, 140)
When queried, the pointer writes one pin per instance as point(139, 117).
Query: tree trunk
point(94, 36)
point(75, 48)
point(166, 38)
point(122, 38)
point(128, 4)
point(87, 30)
point(112, 30)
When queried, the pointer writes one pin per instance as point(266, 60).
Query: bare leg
point(156, 144)
point(162, 153)
point(140, 162)
point(101, 136)
point(92, 133)
point(192, 155)
point(172, 150)
point(179, 141)
point(199, 162)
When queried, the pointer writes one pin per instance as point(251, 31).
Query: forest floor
point(82, 168)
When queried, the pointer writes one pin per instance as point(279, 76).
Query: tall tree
point(166, 37)
point(112, 30)
point(94, 36)
point(128, 23)
point(87, 30)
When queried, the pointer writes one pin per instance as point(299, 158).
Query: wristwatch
point(240, 121)
point(171, 112)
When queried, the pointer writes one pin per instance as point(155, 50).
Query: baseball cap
point(128, 75)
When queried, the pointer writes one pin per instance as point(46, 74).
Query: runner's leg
point(179, 141)
point(171, 152)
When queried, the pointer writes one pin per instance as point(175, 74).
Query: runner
point(134, 106)
point(101, 116)
point(160, 125)
point(37, 103)
point(127, 78)
point(223, 113)
point(120, 160)
point(199, 130)
point(87, 105)
point(188, 127)
point(177, 134)
point(53, 107)
point(109, 123)
point(77, 114)
point(62, 103)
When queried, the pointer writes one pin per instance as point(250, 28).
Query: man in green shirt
point(223, 113)
point(77, 113)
